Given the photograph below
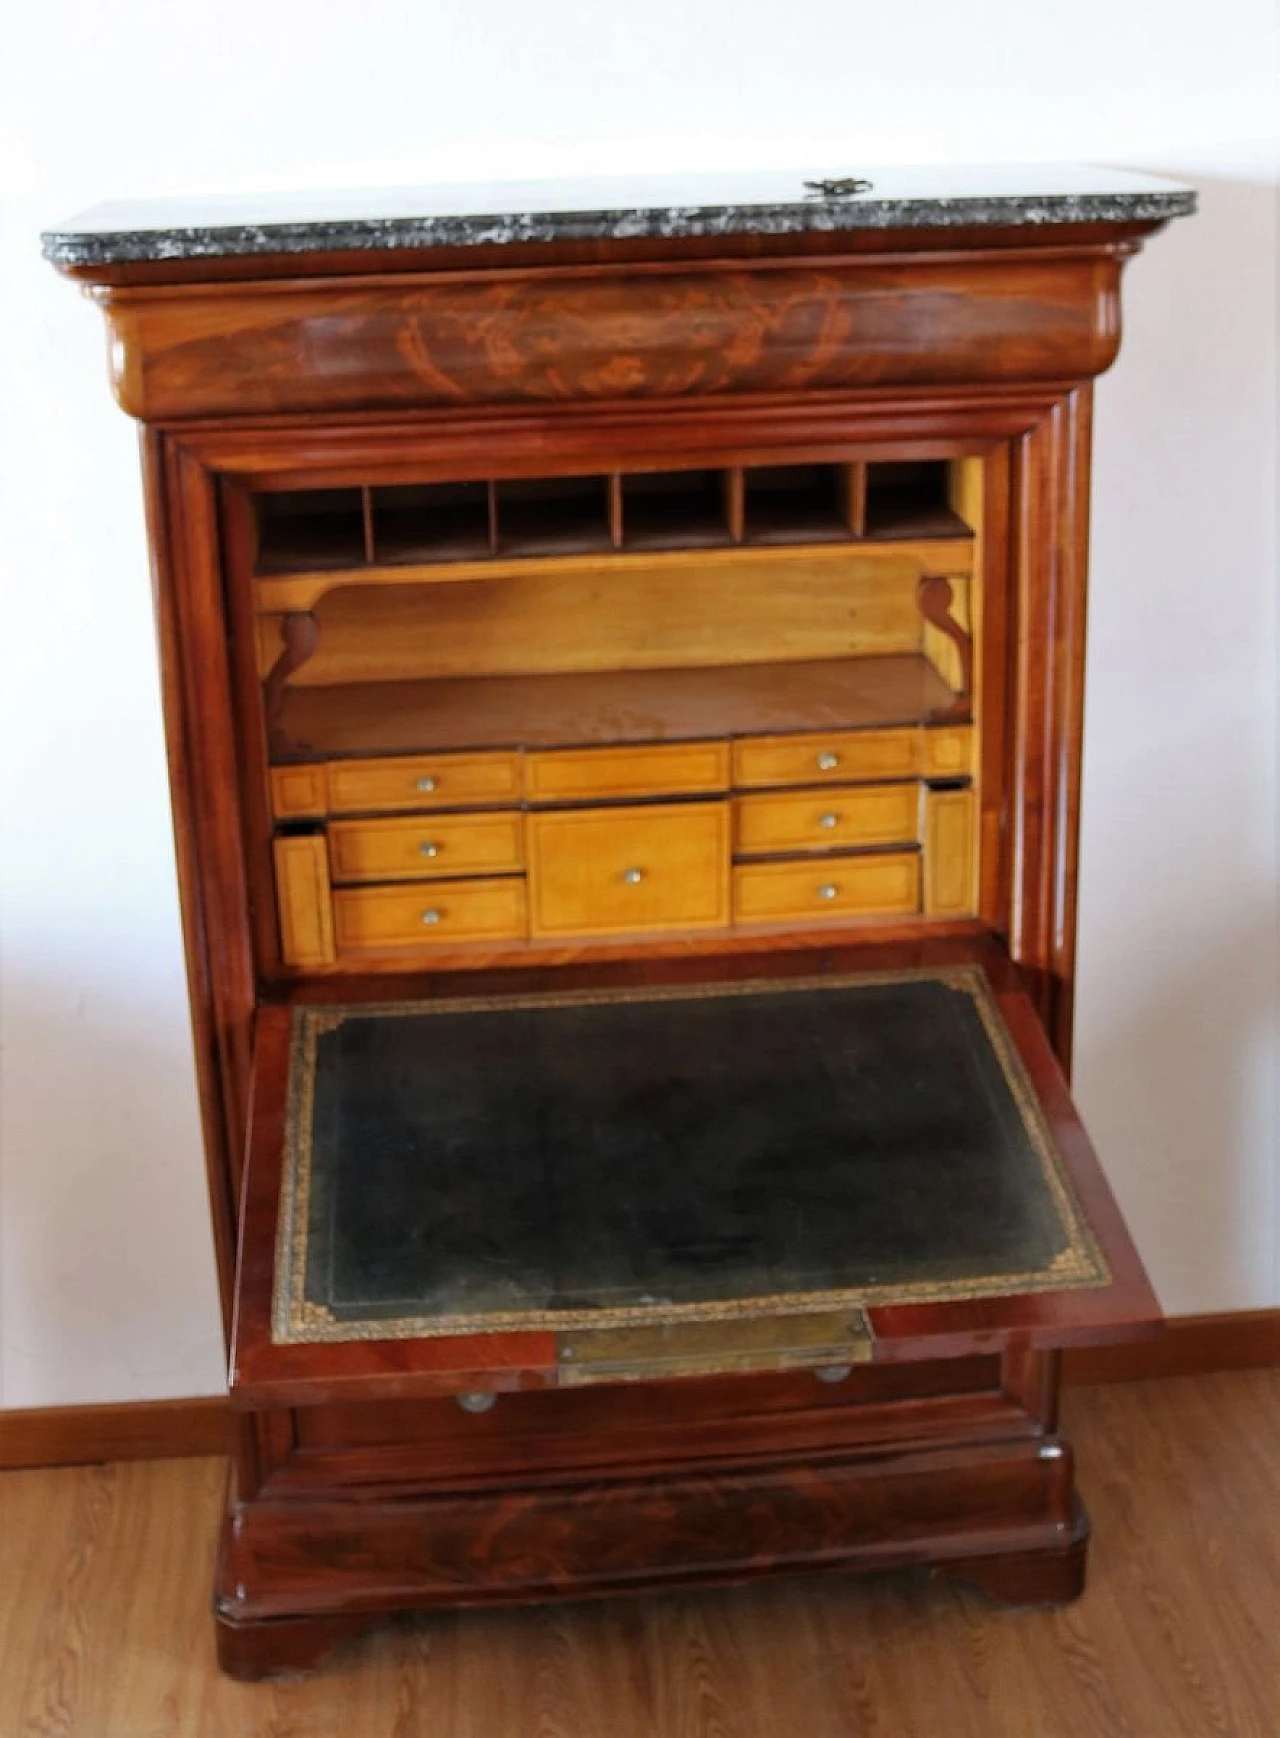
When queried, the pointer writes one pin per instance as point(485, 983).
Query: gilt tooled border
point(296, 1320)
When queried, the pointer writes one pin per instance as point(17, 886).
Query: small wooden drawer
point(618, 871)
point(426, 847)
point(367, 919)
point(429, 781)
point(830, 759)
point(827, 820)
point(884, 885)
point(591, 774)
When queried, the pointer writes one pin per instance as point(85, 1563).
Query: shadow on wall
point(106, 1258)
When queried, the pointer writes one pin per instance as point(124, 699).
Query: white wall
point(106, 1286)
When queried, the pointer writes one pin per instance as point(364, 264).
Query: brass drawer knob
point(425, 783)
point(633, 877)
point(828, 761)
point(428, 849)
point(432, 914)
point(829, 820)
point(828, 890)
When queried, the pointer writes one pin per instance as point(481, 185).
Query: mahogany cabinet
point(622, 667)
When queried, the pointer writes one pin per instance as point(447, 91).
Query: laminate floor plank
point(105, 1631)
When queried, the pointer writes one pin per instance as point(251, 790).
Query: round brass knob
point(829, 820)
point(827, 761)
point(828, 891)
point(428, 850)
point(633, 877)
point(432, 915)
point(426, 783)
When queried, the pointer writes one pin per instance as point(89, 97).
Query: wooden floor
point(105, 1571)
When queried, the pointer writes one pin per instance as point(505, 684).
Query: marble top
point(772, 202)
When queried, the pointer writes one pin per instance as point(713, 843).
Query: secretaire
point(623, 652)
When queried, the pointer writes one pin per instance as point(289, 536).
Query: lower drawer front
point(885, 885)
point(370, 918)
point(426, 846)
point(823, 820)
point(615, 872)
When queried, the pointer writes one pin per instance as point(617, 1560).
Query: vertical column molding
point(203, 786)
point(1050, 537)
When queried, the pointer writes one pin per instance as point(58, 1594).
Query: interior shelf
point(378, 529)
point(371, 718)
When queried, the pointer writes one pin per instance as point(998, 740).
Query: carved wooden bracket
point(934, 598)
point(300, 635)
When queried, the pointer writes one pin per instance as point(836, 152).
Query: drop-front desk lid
point(615, 1181)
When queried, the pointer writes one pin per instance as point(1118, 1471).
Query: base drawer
point(617, 871)
point(369, 918)
point(884, 885)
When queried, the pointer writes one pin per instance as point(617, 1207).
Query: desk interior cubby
point(560, 651)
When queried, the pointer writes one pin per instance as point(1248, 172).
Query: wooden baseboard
point(1189, 1346)
point(170, 1429)
point(130, 1430)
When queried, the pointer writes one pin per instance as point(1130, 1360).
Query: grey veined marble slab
point(773, 202)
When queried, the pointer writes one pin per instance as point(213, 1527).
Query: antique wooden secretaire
point(623, 658)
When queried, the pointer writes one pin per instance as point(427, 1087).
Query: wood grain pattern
point(547, 336)
point(423, 782)
point(831, 758)
point(881, 884)
point(280, 594)
point(717, 609)
point(367, 919)
point(623, 871)
point(585, 775)
point(426, 847)
point(844, 816)
point(1174, 1638)
point(306, 912)
point(619, 706)
point(950, 867)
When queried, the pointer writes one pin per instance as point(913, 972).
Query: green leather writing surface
point(596, 1159)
